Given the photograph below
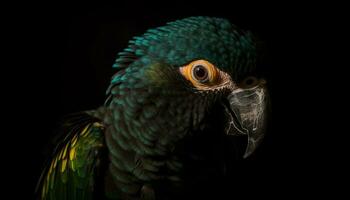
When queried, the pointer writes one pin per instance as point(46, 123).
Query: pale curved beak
point(247, 108)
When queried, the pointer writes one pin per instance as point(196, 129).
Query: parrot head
point(185, 78)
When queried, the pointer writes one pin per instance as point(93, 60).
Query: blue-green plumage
point(182, 41)
point(161, 130)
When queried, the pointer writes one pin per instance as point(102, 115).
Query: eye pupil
point(200, 73)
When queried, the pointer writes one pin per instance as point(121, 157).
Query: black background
point(64, 55)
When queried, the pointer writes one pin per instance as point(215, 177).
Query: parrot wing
point(77, 160)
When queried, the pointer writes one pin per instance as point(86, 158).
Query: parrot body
point(162, 133)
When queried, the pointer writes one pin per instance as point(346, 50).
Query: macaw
point(178, 93)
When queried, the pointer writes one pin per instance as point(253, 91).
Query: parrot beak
point(247, 108)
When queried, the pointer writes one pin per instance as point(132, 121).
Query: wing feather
point(71, 171)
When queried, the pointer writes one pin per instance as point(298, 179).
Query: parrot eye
point(249, 82)
point(200, 73)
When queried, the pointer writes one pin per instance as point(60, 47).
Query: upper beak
point(247, 108)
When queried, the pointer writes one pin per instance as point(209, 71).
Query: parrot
point(180, 92)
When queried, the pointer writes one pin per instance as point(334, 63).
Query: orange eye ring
point(200, 73)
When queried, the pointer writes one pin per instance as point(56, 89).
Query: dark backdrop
point(65, 66)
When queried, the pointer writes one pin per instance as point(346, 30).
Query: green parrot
point(179, 94)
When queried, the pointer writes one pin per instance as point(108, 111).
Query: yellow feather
point(97, 124)
point(43, 191)
point(49, 173)
point(72, 165)
point(55, 163)
point(84, 132)
point(60, 155)
point(64, 164)
point(46, 184)
point(65, 151)
point(75, 138)
point(48, 178)
point(72, 153)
